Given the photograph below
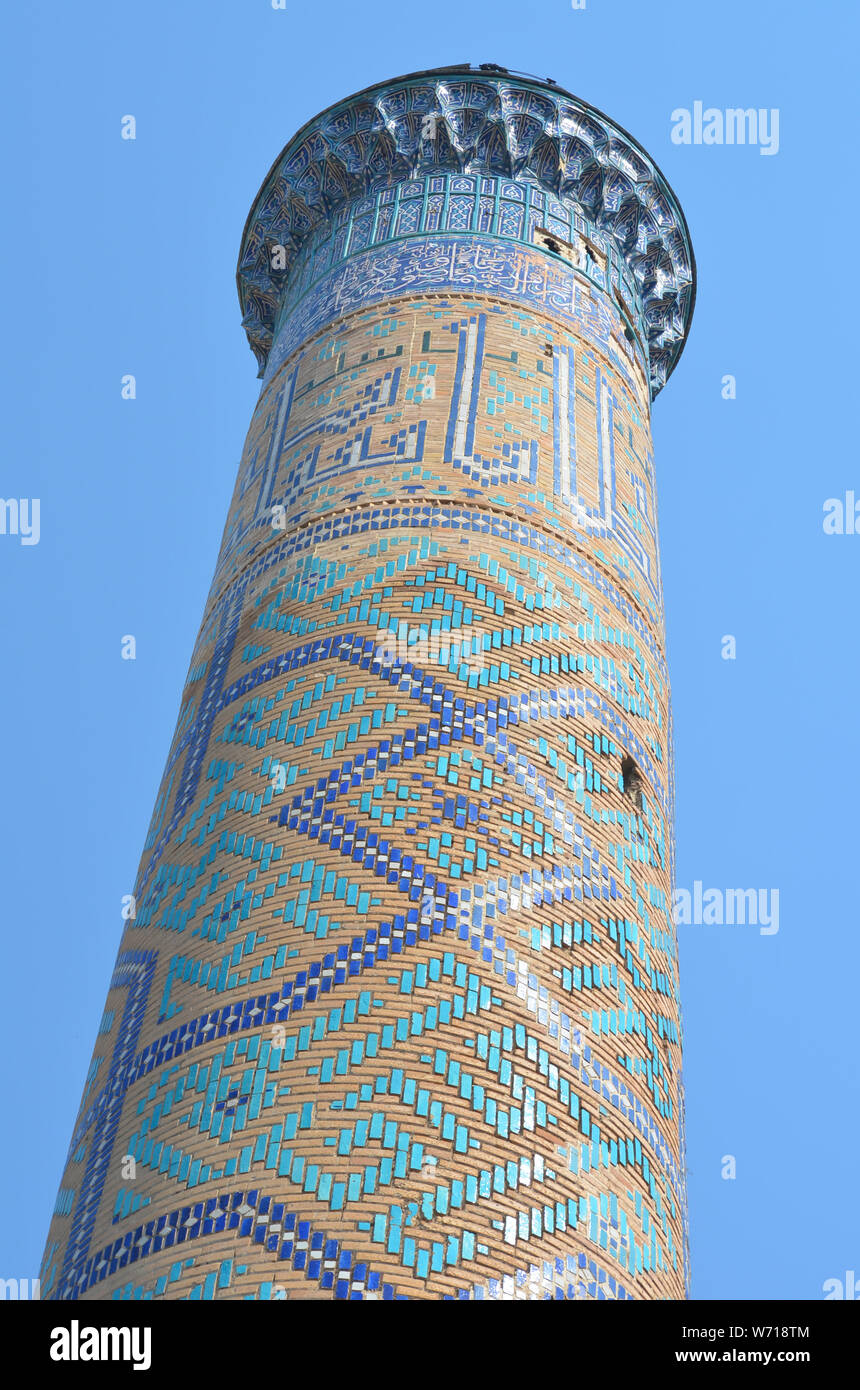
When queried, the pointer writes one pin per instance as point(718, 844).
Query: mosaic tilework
point(427, 263)
point(397, 1016)
point(464, 122)
point(475, 205)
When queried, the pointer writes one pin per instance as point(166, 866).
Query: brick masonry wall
point(397, 1015)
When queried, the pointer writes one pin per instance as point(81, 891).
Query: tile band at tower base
point(397, 1015)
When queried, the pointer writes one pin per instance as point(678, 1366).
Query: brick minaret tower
point(397, 1013)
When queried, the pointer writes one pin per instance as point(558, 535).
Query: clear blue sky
point(120, 258)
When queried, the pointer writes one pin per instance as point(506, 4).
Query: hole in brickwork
point(572, 252)
point(632, 783)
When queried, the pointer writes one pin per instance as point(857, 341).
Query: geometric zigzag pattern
point(323, 1262)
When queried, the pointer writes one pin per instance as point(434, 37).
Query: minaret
point(397, 1012)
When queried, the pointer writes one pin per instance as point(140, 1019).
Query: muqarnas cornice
point(491, 122)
